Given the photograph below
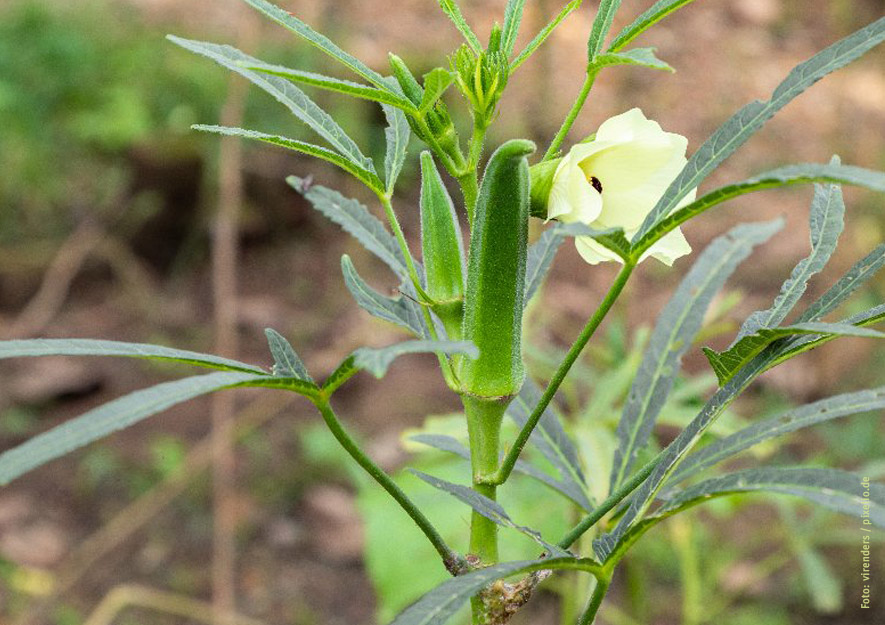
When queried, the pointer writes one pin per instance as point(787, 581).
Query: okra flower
point(615, 179)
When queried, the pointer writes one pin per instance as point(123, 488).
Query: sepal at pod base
point(496, 275)
point(442, 248)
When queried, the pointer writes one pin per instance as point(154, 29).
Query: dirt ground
point(300, 549)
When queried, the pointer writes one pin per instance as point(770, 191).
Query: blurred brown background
point(107, 205)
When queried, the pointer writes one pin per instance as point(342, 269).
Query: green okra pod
point(496, 275)
point(443, 249)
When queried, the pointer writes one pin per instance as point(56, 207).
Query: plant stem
point(453, 562)
point(572, 115)
point(611, 501)
point(513, 454)
point(602, 584)
point(469, 180)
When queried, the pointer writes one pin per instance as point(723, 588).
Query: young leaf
point(287, 363)
point(601, 25)
point(338, 85)
point(451, 8)
point(365, 176)
point(787, 421)
point(512, 19)
point(783, 176)
point(357, 221)
point(658, 11)
point(116, 415)
point(292, 23)
point(676, 328)
point(540, 257)
point(401, 310)
point(643, 57)
point(436, 82)
point(725, 364)
point(397, 134)
point(827, 222)
point(377, 360)
point(862, 271)
point(541, 37)
point(488, 508)
point(612, 238)
point(92, 347)
point(286, 93)
point(743, 124)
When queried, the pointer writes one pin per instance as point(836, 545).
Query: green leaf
point(377, 360)
point(397, 134)
point(541, 37)
point(612, 238)
point(401, 311)
point(286, 93)
point(602, 23)
point(674, 332)
point(781, 177)
point(357, 221)
point(292, 23)
point(91, 347)
point(725, 364)
point(862, 271)
point(345, 87)
point(787, 421)
point(365, 176)
point(488, 508)
point(438, 605)
point(658, 11)
point(827, 223)
point(644, 57)
point(743, 124)
point(451, 8)
point(287, 363)
point(540, 257)
point(552, 442)
point(436, 82)
point(512, 19)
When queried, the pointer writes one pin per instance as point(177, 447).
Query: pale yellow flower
point(616, 179)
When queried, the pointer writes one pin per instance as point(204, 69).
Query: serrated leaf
point(488, 508)
point(436, 82)
point(862, 271)
point(674, 332)
point(122, 413)
point(295, 25)
point(552, 442)
point(725, 364)
point(602, 23)
point(287, 363)
point(453, 11)
point(658, 11)
point(512, 19)
point(338, 85)
point(826, 224)
point(613, 239)
point(438, 605)
point(644, 57)
point(377, 360)
point(94, 347)
point(743, 124)
point(402, 311)
point(286, 93)
point(783, 176)
point(787, 421)
point(541, 37)
point(365, 176)
point(540, 257)
point(397, 134)
point(357, 221)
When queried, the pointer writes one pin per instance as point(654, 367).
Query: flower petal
point(669, 248)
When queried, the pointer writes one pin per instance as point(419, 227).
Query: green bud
point(406, 79)
point(442, 248)
point(496, 275)
point(542, 182)
point(495, 39)
point(481, 78)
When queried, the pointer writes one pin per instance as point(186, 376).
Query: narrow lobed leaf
point(541, 37)
point(287, 363)
point(397, 135)
point(855, 277)
point(512, 19)
point(654, 14)
point(601, 25)
point(453, 11)
point(377, 360)
point(540, 257)
point(643, 57)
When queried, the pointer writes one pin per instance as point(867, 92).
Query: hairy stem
point(572, 116)
point(453, 562)
point(513, 454)
point(602, 584)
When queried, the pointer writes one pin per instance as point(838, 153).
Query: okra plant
point(621, 195)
